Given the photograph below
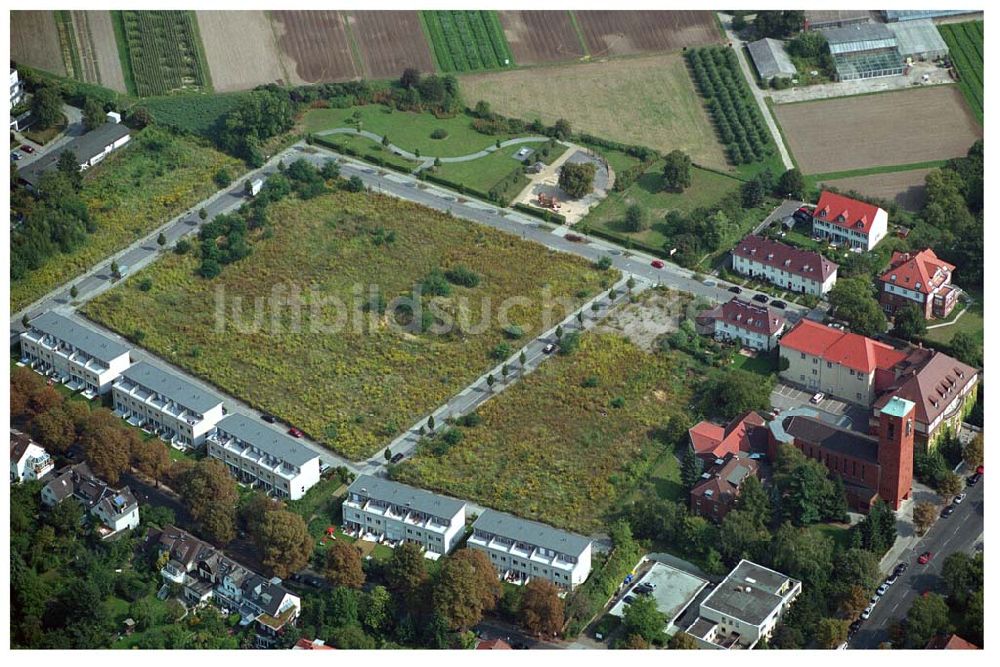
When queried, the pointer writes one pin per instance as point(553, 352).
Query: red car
point(27, 149)
point(925, 557)
point(979, 470)
point(657, 264)
point(295, 433)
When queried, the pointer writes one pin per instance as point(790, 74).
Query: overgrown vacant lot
point(553, 449)
point(353, 390)
point(645, 101)
point(132, 192)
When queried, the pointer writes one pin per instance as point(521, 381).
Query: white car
point(867, 612)
point(882, 589)
point(959, 498)
point(817, 398)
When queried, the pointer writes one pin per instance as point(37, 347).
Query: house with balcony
point(163, 403)
point(783, 265)
point(75, 355)
point(744, 608)
point(28, 460)
point(263, 458)
point(389, 511)
point(848, 222)
point(521, 549)
point(116, 509)
point(920, 279)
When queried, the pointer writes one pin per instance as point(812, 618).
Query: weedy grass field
point(196, 113)
point(357, 388)
point(568, 442)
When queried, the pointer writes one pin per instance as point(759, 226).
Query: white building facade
point(787, 267)
point(28, 460)
point(848, 222)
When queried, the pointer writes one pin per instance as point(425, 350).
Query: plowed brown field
point(390, 41)
point(906, 188)
point(240, 48)
point(316, 44)
point(34, 41)
point(618, 33)
point(541, 36)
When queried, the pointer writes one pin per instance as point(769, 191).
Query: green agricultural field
point(467, 41)
point(552, 449)
point(197, 114)
point(965, 43)
point(407, 129)
point(356, 389)
point(132, 192)
point(164, 51)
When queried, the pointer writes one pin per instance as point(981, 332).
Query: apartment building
point(920, 279)
point(521, 549)
point(848, 222)
point(75, 355)
point(846, 365)
point(783, 265)
point(116, 509)
point(28, 460)
point(162, 402)
point(744, 608)
point(16, 89)
point(749, 324)
point(264, 458)
point(397, 512)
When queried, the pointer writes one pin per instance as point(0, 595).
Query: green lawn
point(762, 364)
point(366, 149)
point(970, 322)
point(840, 534)
point(498, 170)
point(407, 129)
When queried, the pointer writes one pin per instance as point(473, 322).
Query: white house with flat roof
point(77, 356)
point(172, 407)
point(264, 458)
point(397, 512)
point(744, 608)
point(521, 549)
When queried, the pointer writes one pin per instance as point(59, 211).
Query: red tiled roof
point(951, 642)
point(840, 347)
point(746, 433)
point(846, 212)
point(918, 272)
point(750, 316)
point(304, 644)
point(705, 437)
point(492, 645)
point(932, 383)
point(804, 263)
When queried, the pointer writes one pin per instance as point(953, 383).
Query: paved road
point(74, 129)
point(962, 531)
point(492, 628)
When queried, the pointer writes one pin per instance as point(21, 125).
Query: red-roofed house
point(747, 433)
point(715, 493)
point(304, 644)
point(920, 279)
point(950, 642)
point(492, 645)
point(752, 325)
point(849, 222)
point(783, 265)
point(846, 365)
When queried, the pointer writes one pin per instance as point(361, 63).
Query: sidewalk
point(906, 533)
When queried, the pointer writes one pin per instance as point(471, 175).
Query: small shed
point(919, 40)
point(129, 626)
point(113, 117)
point(770, 59)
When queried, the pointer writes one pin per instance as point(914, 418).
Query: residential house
point(206, 573)
point(714, 495)
point(744, 608)
point(783, 265)
point(74, 354)
point(28, 460)
point(162, 402)
point(521, 549)
point(748, 324)
point(116, 509)
point(943, 390)
point(871, 467)
point(264, 458)
point(397, 512)
point(848, 222)
point(920, 279)
point(950, 642)
point(89, 149)
point(846, 365)
point(745, 434)
point(493, 645)
point(304, 644)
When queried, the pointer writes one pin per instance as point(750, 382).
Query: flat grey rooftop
point(278, 445)
point(84, 147)
point(172, 386)
point(531, 532)
point(403, 495)
point(675, 590)
point(93, 343)
point(750, 593)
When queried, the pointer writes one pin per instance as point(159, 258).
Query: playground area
point(544, 192)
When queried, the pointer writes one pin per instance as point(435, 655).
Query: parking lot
point(674, 590)
point(837, 412)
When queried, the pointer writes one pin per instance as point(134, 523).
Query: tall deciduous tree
point(46, 106)
point(406, 572)
point(928, 616)
point(791, 184)
point(211, 496)
point(677, 171)
point(107, 445)
point(831, 632)
point(542, 611)
point(284, 542)
point(93, 114)
point(466, 586)
point(854, 301)
point(924, 515)
point(577, 180)
point(152, 459)
point(342, 566)
point(644, 619)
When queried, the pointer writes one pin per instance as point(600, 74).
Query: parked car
point(396, 458)
point(269, 418)
point(657, 263)
point(709, 283)
point(960, 497)
point(27, 149)
point(640, 590)
point(549, 348)
point(979, 470)
point(866, 614)
point(948, 511)
point(779, 304)
point(762, 298)
point(854, 627)
point(925, 557)
point(15, 156)
point(735, 289)
point(892, 578)
point(882, 589)
point(803, 214)
point(295, 433)
point(817, 398)
point(874, 600)
point(972, 480)
point(629, 599)
point(900, 569)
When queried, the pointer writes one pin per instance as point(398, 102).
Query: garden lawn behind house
point(551, 449)
point(352, 390)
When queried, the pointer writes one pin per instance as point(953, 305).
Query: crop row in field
point(466, 41)
point(164, 51)
point(965, 43)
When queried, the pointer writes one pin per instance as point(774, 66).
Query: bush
point(461, 275)
point(470, 420)
point(145, 284)
point(589, 382)
point(513, 331)
point(439, 133)
point(223, 178)
point(501, 351)
point(569, 343)
point(577, 180)
point(182, 247)
point(604, 263)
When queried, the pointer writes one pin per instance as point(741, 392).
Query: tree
point(644, 619)
point(950, 486)
point(376, 613)
point(202, 214)
point(151, 459)
point(342, 566)
point(466, 586)
point(284, 542)
point(211, 496)
point(46, 106)
point(107, 445)
point(677, 171)
point(928, 616)
point(742, 536)
point(691, 468)
point(93, 114)
point(964, 347)
point(973, 452)
point(802, 553)
point(430, 423)
point(635, 218)
point(924, 515)
point(633, 643)
point(54, 429)
point(406, 572)
point(754, 500)
point(962, 575)
point(730, 393)
point(69, 166)
point(778, 24)
point(858, 567)
point(222, 177)
point(682, 641)
point(791, 184)
point(522, 359)
point(542, 611)
point(73, 292)
point(854, 302)
point(577, 179)
point(562, 129)
point(410, 78)
point(852, 601)
point(754, 191)
point(807, 495)
point(161, 240)
point(908, 322)
point(490, 381)
point(831, 632)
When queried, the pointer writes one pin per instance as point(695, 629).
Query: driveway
point(833, 410)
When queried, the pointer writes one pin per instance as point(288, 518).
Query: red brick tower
point(895, 451)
